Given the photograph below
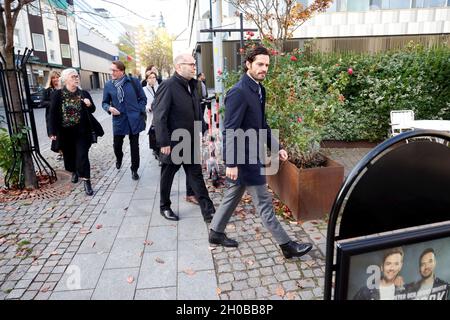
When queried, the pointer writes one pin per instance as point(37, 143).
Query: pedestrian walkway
point(116, 245)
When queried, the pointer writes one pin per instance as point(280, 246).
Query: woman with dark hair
point(70, 123)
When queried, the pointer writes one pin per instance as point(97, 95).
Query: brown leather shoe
point(191, 199)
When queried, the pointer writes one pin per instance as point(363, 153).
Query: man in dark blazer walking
point(125, 100)
point(244, 115)
point(177, 112)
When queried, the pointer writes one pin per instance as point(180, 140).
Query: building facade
point(348, 25)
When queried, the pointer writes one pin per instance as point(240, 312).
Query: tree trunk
point(27, 160)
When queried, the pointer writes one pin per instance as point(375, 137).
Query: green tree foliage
point(157, 50)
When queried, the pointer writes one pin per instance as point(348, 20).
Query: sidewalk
point(116, 245)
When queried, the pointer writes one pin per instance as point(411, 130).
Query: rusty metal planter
point(309, 193)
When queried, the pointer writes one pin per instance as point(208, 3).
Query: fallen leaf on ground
point(85, 231)
point(54, 253)
point(93, 245)
point(310, 263)
point(159, 260)
point(250, 262)
point(189, 272)
point(76, 221)
point(148, 243)
point(99, 226)
point(280, 291)
point(61, 217)
point(45, 289)
point(218, 291)
point(291, 296)
point(130, 280)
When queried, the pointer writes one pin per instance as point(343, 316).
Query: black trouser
point(75, 147)
point(189, 191)
point(134, 148)
point(195, 177)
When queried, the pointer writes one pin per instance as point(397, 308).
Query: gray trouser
point(263, 204)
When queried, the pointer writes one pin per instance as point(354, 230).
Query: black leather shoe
point(118, 163)
point(208, 218)
point(88, 188)
point(221, 238)
point(169, 215)
point(294, 249)
point(74, 177)
point(134, 175)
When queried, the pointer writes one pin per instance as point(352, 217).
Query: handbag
point(96, 127)
point(152, 138)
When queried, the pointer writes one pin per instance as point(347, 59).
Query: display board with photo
point(410, 264)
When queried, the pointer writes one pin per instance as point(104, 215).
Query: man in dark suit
point(244, 115)
point(177, 113)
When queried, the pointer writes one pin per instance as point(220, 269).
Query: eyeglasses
point(75, 76)
point(114, 70)
point(189, 64)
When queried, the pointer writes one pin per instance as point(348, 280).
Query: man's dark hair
point(424, 252)
point(148, 73)
point(119, 64)
point(389, 252)
point(198, 75)
point(251, 55)
point(149, 67)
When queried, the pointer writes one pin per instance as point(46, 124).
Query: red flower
point(294, 58)
point(219, 72)
point(299, 120)
point(350, 71)
point(274, 52)
point(241, 50)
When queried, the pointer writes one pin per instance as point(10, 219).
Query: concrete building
point(49, 28)
point(96, 54)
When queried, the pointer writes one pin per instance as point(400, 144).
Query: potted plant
point(298, 105)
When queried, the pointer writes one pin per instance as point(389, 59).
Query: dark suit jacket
point(243, 110)
point(176, 108)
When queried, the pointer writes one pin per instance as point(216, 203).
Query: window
point(62, 22)
point(396, 4)
point(38, 42)
point(429, 3)
point(50, 35)
point(52, 55)
point(65, 51)
point(17, 38)
point(34, 8)
point(357, 5)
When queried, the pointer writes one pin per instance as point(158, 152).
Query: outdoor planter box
point(309, 193)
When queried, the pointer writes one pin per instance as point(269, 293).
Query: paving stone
point(114, 285)
point(83, 273)
point(282, 276)
point(194, 255)
point(201, 286)
point(226, 277)
point(240, 285)
point(268, 280)
point(266, 271)
point(224, 287)
point(29, 295)
point(126, 253)
point(169, 293)
point(23, 284)
point(15, 294)
point(134, 227)
point(154, 274)
point(240, 275)
point(162, 238)
point(306, 295)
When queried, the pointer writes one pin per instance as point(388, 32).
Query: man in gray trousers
point(244, 109)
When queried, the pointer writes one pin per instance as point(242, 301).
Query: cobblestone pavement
point(115, 245)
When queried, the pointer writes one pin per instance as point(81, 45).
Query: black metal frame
point(346, 189)
point(346, 250)
point(23, 88)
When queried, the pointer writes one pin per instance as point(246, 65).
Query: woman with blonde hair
point(51, 86)
point(71, 123)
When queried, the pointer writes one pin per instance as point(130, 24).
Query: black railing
point(17, 79)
